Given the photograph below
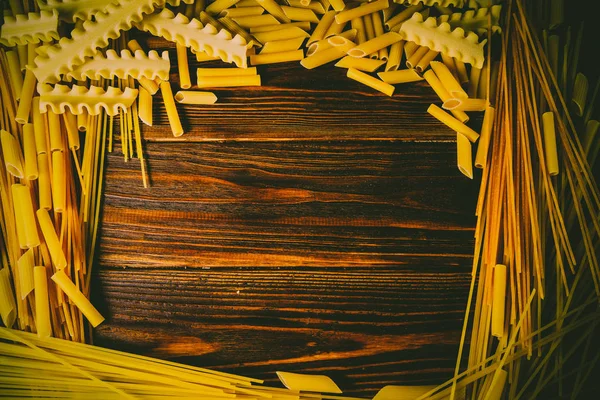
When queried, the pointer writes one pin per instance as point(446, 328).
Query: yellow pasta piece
point(462, 104)
point(370, 81)
point(314, 5)
point(11, 151)
point(499, 300)
point(59, 183)
point(464, 155)
point(228, 81)
point(322, 27)
point(359, 25)
point(452, 122)
point(217, 6)
point(474, 20)
point(30, 28)
point(474, 81)
point(78, 298)
point(482, 87)
point(495, 391)
point(373, 45)
point(282, 45)
point(242, 12)
point(145, 106)
point(403, 16)
point(591, 129)
point(392, 392)
point(361, 64)
point(182, 67)
point(416, 57)
point(195, 97)
point(410, 48)
point(308, 383)
point(369, 8)
point(70, 122)
point(443, 94)
point(557, 13)
point(337, 40)
point(191, 33)
point(274, 9)
point(449, 63)
point(426, 60)
point(327, 55)
point(149, 84)
point(461, 70)
point(235, 29)
point(553, 53)
point(256, 20)
point(448, 80)
point(400, 76)
point(305, 26)
point(85, 40)
point(273, 58)
point(246, 3)
point(454, 43)
point(202, 56)
point(580, 90)
point(441, 3)
point(51, 238)
point(550, 150)
point(300, 14)
point(8, 307)
point(44, 186)
point(172, 114)
point(55, 132)
point(24, 217)
point(284, 34)
point(42, 303)
point(25, 266)
point(337, 5)
point(26, 97)
point(204, 72)
point(71, 11)
point(14, 72)
point(379, 31)
point(138, 65)
point(29, 152)
point(395, 56)
point(484, 140)
point(79, 99)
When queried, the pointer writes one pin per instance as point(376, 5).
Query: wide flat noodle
point(475, 20)
point(80, 99)
point(30, 28)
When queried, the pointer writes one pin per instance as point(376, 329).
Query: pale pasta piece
point(78, 298)
point(283, 34)
point(195, 97)
point(369, 8)
point(8, 307)
point(79, 99)
point(217, 6)
point(202, 56)
point(70, 122)
point(403, 16)
point(42, 303)
point(29, 152)
point(24, 217)
point(475, 20)
point(29, 28)
point(71, 11)
point(498, 300)
point(228, 81)
point(11, 152)
point(273, 58)
point(282, 45)
point(300, 14)
point(455, 43)
point(392, 392)
point(51, 238)
point(274, 9)
point(31, 53)
point(400, 76)
point(308, 383)
point(373, 45)
point(172, 114)
point(337, 5)
point(148, 84)
point(59, 182)
point(14, 73)
point(145, 106)
point(44, 186)
point(25, 265)
point(256, 20)
point(182, 67)
point(395, 56)
point(484, 140)
point(191, 33)
point(452, 122)
point(27, 91)
point(550, 149)
point(416, 57)
point(464, 155)
point(580, 91)
point(329, 54)
point(448, 80)
point(370, 81)
point(242, 12)
point(361, 64)
point(322, 27)
point(303, 25)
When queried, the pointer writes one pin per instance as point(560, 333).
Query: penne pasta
point(389, 11)
point(246, 3)
point(440, 90)
point(77, 298)
point(31, 53)
point(361, 64)
point(282, 45)
point(580, 90)
point(426, 60)
point(379, 31)
point(448, 80)
point(308, 383)
point(50, 237)
point(402, 16)
point(335, 29)
point(474, 81)
point(219, 5)
point(228, 81)
point(337, 5)
point(482, 86)
point(415, 58)
point(330, 54)
point(242, 12)
point(59, 181)
point(195, 97)
point(8, 307)
point(203, 56)
point(550, 150)
point(452, 122)
point(314, 5)
point(484, 140)
point(29, 152)
point(499, 300)
point(461, 104)
point(464, 155)
point(449, 63)
point(204, 72)
point(461, 70)
point(55, 132)
point(369, 29)
point(373, 45)
point(172, 115)
point(82, 121)
point(70, 122)
point(255, 20)
point(273, 58)
point(300, 14)
point(322, 27)
point(44, 186)
point(25, 266)
point(145, 106)
point(42, 304)
point(24, 217)
point(283, 34)
point(395, 56)
point(274, 9)
point(182, 67)
point(148, 84)
point(400, 76)
point(359, 25)
point(235, 29)
point(356, 12)
point(370, 81)
point(11, 152)
point(410, 48)
point(305, 26)
point(26, 96)
point(392, 392)
point(39, 127)
point(14, 73)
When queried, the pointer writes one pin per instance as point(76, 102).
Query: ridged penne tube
point(337, 5)
point(195, 97)
point(448, 80)
point(328, 55)
point(410, 48)
point(29, 152)
point(300, 14)
point(8, 306)
point(359, 25)
point(77, 298)
point(25, 265)
point(274, 9)
point(361, 64)
point(370, 81)
point(44, 186)
point(172, 114)
point(228, 81)
point(217, 6)
point(79, 99)
point(51, 238)
point(242, 12)
point(498, 300)
point(474, 82)
point(415, 58)
point(145, 106)
point(426, 60)
point(273, 58)
point(403, 15)
point(26, 97)
point(182, 67)
point(308, 383)
point(42, 303)
point(400, 76)
point(373, 45)
point(305, 26)
point(256, 20)
point(11, 152)
point(39, 127)
point(322, 27)
point(550, 150)
point(14, 73)
point(282, 45)
point(59, 181)
point(283, 34)
point(24, 217)
point(55, 132)
point(461, 104)
point(29, 28)
point(464, 155)
point(70, 122)
point(395, 56)
point(580, 90)
point(461, 70)
point(452, 122)
point(375, 6)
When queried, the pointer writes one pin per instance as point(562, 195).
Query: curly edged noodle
point(199, 37)
point(29, 28)
point(52, 61)
point(140, 65)
point(442, 38)
point(441, 3)
point(474, 20)
point(80, 99)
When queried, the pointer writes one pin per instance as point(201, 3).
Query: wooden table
point(310, 225)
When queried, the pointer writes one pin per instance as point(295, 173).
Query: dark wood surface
point(263, 245)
